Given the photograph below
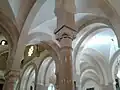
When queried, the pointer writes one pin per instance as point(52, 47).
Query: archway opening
point(99, 38)
point(46, 75)
point(28, 78)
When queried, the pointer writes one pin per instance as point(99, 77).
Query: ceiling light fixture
point(30, 52)
point(3, 43)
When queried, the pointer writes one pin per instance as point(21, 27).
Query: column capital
point(65, 36)
point(65, 32)
point(12, 75)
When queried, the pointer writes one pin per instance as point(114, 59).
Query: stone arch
point(92, 75)
point(91, 19)
point(30, 78)
point(48, 66)
point(100, 61)
point(42, 68)
point(37, 36)
point(113, 63)
point(112, 60)
point(89, 67)
point(50, 47)
point(53, 51)
point(86, 21)
point(89, 79)
point(10, 31)
point(90, 62)
point(27, 69)
point(24, 33)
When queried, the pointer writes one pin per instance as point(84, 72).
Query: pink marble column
point(65, 73)
point(65, 33)
point(11, 78)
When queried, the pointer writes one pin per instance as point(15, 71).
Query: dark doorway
point(31, 88)
point(1, 86)
point(90, 89)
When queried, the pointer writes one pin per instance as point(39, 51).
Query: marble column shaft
point(65, 36)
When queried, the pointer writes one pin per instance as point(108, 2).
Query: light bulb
point(3, 43)
point(30, 52)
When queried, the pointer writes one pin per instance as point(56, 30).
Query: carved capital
point(12, 75)
point(65, 32)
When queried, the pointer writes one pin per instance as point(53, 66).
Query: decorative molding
point(63, 27)
point(12, 75)
point(65, 32)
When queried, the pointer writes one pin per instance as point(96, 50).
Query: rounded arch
point(91, 19)
point(113, 63)
point(99, 61)
point(42, 70)
point(47, 71)
point(87, 80)
point(90, 67)
point(90, 62)
point(89, 74)
point(53, 48)
point(24, 33)
point(102, 62)
point(10, 31)
point(53, 51)
point(86, 21)
point(113, 58)
point(26, 74)
point(37, 36)
point(85, 37)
